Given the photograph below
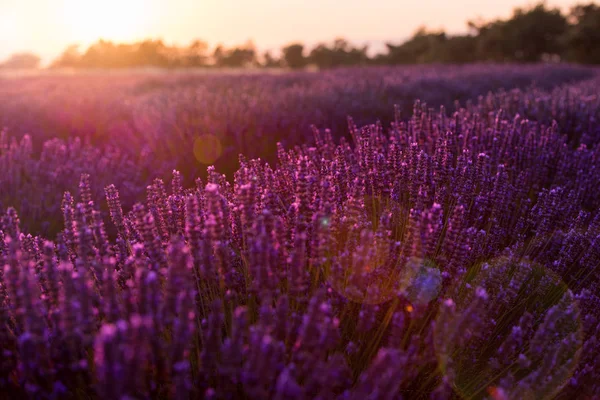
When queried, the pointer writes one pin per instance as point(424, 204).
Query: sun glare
point(117, 20)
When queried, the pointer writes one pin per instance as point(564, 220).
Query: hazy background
point(46, 27)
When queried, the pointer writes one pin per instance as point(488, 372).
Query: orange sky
point(48, 26)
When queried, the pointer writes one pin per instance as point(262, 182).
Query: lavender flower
point(438, 255)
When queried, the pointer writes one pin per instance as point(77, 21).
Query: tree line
point(533, 34)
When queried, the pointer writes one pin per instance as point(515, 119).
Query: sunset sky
point(47, 27)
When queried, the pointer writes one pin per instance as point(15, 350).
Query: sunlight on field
point(207, 149)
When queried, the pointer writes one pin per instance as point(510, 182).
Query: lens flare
point(420, 280)
point(378, 268)
point(507, 328)
point(207, 149)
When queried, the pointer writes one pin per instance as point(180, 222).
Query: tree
point(528, 36)
point(70, 58)
point(22, 61)
point(533, 34)
point(218, 55)
point(238, 57)
point(582, 40)
point(102, 54)
point(341, 53)
point(455, 50)
point(269, 61)
point(152, 52)
point(293, 55)
point(196, 54)
point(423, 47)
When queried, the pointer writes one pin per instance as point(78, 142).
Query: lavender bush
point(446, 254)
point(143, 125)
point(35, 182)
point(247, 112)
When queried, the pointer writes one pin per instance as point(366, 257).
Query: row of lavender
point(168, 112)
point(141, 126)
point(453, 255)
point(34, 183)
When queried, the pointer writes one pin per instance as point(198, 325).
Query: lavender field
point(427, 232)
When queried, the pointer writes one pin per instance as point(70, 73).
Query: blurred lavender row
point(445, 254)
point(136, 109)
point(133, 127)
